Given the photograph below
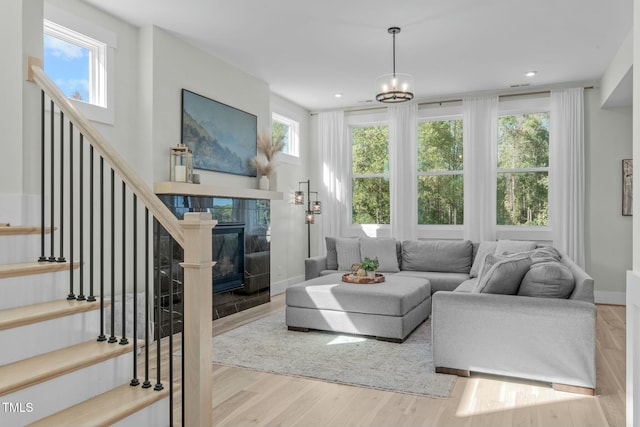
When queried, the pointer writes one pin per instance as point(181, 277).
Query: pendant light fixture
point(395, 87)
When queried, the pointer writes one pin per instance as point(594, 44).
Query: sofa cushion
point(383, 249)
point(440, 281)
point(348, 252)
point(467, 286)
point(514, 246)
point(547, 280)
point(484, 248)
point(504, 276)
point(438, 255)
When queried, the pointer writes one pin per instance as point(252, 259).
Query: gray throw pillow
point(332, 255)
point(503, 277)
point(484, 248)
point(383, 249)
point(548, 280)
point(348, 252)
point(450, 256)
point(514, 246)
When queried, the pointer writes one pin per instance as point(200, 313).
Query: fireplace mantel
point(188, 189)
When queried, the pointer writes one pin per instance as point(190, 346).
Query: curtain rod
point(447, 101)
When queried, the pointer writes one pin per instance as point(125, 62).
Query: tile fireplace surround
point(239, 212)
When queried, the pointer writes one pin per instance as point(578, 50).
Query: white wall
point(608, 234)
point(288, 230)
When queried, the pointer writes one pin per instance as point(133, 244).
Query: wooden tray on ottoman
point(352, 278)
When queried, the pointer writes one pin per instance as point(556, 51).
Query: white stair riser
point(26, 290)
point(59, 393)
point(156, 415)
point(22, 248)
point(30, 340)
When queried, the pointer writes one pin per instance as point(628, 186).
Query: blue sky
point(68, 66)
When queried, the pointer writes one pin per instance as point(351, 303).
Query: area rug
point(266, 345)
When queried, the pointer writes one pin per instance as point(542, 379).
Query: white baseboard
point(279, 287)
point(603, 297)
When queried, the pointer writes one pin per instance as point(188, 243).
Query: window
point(79, 57)
point(370, 196)
point(440, 172)
point(75, 62)
point(287, 129)
point(523, 170)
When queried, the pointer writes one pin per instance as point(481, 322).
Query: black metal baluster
point(147, 264)
point(42, 171)
point(158, 385)
point(102, 336)
point(61, 255)
point(112, 338)
point(81, 296)
point(71, 294)
point(171, 293)
point(92, 297)
point(123, 339)
point(134, 380)
point(52, 257)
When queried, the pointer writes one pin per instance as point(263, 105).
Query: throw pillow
point(448, 256)
point(484, 248)
point(332, 255)
point(514, 246)
point(348, 252)
point(384, 249)
point(548, 280)
point(503, 277)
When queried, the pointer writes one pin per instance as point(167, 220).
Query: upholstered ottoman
point(389, 311)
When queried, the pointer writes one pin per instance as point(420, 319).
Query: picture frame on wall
point(222, 138)
point(627, 187)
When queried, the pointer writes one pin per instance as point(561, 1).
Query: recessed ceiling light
point(530, 73)
point(338, 95)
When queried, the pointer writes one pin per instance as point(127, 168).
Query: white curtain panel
point(480, 130)
point(403, 135)
point(334, 154)
point(566, 175)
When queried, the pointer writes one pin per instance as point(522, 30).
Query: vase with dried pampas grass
point(265, 165)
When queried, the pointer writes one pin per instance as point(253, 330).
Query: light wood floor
point(243, 397)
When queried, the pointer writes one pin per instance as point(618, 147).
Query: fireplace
point(228, 253)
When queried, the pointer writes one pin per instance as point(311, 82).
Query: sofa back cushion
point(484, 248)
point(437, 255)
point(332, 254)
point(383, 249)
point(547, 280)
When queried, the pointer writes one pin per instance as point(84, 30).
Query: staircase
point(53, 371)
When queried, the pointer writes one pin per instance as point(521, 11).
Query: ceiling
point(307, 51)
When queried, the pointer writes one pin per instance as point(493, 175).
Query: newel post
point(197, 327)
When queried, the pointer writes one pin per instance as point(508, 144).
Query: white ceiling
point(309, 50)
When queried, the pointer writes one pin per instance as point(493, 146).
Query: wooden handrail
point(168, 220)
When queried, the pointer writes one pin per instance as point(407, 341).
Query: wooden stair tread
point(121, 402)
point(13, 230)
point(30, 268)
point(21, 316)
point(25, 373)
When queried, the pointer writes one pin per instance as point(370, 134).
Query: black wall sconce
point(313, 208)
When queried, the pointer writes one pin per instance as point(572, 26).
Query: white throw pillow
point(348, 251)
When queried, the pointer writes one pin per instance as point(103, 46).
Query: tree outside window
point(440, 172)
point(370, 175)
point(523, 170)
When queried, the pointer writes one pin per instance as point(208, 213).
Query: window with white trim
point(370, 191)
point(79, 58)
point(288, 130)
point(523, 169)
point(440, 172)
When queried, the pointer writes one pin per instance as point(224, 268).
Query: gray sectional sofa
point(510, 308)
